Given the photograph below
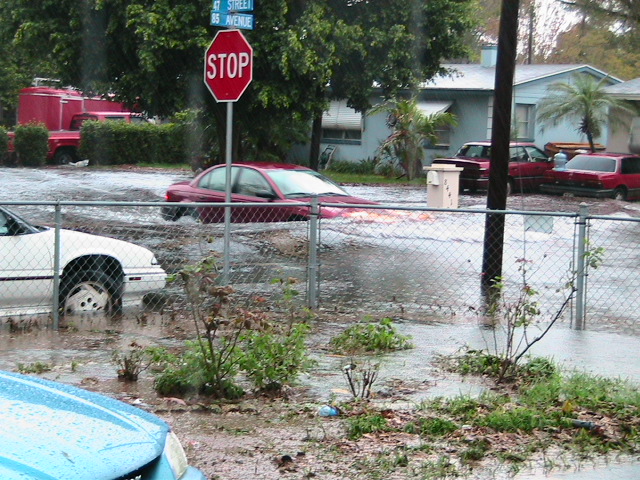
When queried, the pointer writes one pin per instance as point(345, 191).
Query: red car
point(274, 185)
point(527, 165)
point(600, 175)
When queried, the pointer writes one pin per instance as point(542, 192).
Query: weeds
point(133, 362)
point(368, 423)
point(360, 378)
point(36, 367)
point(230, 340)
point(276, 355)
point(370, 337)
point(441, 468)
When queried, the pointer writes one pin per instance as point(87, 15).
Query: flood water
point(588, 348)
point(84, 349)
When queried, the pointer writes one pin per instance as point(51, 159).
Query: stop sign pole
point(228, 71)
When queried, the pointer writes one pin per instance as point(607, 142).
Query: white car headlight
point(174, 453)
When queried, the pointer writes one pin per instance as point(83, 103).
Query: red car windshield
point(592, 163)
point(304, 182)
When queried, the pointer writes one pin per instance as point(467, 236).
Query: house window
point(332, 134)
point(524, 121)
point(341, 124)
point(443, 134)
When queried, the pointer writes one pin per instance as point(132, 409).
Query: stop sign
point(228, 65)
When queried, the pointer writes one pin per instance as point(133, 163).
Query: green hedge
point(118, 143)
point(32, 144)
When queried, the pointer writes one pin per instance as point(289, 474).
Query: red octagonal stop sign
point(228, 65)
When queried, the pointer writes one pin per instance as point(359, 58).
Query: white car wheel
point(90, 291)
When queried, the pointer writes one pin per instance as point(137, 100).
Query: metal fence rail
point(387, 260)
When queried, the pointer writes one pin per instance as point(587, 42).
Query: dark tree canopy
point(305, 53)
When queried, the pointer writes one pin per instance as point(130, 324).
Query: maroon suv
point(527, 165)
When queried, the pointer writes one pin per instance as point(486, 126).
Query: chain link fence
point(381, 260)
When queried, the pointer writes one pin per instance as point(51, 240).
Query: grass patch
point(370, 178)
point(575, 415)
point(367, 423)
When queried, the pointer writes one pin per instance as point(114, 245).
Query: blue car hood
point(50, 430)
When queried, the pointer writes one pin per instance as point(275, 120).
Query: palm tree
point(583, 99)
point(411, 128)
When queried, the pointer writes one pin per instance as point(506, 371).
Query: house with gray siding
point(467, 91)
point(625, 139)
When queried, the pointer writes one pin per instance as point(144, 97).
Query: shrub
point(32, 144)
point(362, 167)
point(275, 355)
point(118, 143)
point(379, 336)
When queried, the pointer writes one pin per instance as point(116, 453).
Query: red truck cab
point(527, 165)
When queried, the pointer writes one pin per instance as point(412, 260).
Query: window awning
point(341, 117)
point(431, 108)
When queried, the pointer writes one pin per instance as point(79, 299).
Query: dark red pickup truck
point(527, 164)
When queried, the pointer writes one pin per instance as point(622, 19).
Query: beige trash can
point(443, 185)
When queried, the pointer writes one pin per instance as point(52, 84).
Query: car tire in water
point(509, 187)
point(171, 214)
point(65, 156)
point(90, 291)
point(620, 193)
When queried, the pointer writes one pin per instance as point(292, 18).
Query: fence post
point(312, 268)
point(581, 271)
point(56, 267)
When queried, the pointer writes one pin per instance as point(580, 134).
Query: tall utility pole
point(500, 134)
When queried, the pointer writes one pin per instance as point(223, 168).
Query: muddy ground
point(284, 437)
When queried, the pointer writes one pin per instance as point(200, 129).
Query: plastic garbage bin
point(443, 185)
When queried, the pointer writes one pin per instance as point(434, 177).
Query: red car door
point(251, 186)
point(527, 165)
point(210, 188)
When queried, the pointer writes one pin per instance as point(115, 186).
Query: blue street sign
point(232, 20)
point(227, 6)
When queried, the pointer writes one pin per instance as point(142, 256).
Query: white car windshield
point(592, 164)
point(304, 182)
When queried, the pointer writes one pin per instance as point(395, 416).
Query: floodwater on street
point(82, 184)
point(83, 352)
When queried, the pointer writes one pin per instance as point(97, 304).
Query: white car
point(97, 274)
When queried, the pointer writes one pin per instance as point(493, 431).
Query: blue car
point(52, 431)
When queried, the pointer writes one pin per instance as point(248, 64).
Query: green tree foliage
point(305, 53)
point(607, 36)
point(602, 48)
point(582, 99)
point(411, 129)
point(627, 12)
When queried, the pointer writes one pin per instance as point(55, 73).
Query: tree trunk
point(591, 144)
point(316, 135)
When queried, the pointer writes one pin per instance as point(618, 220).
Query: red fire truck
point(62, 111)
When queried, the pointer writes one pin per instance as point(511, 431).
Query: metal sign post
point(228, 70)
